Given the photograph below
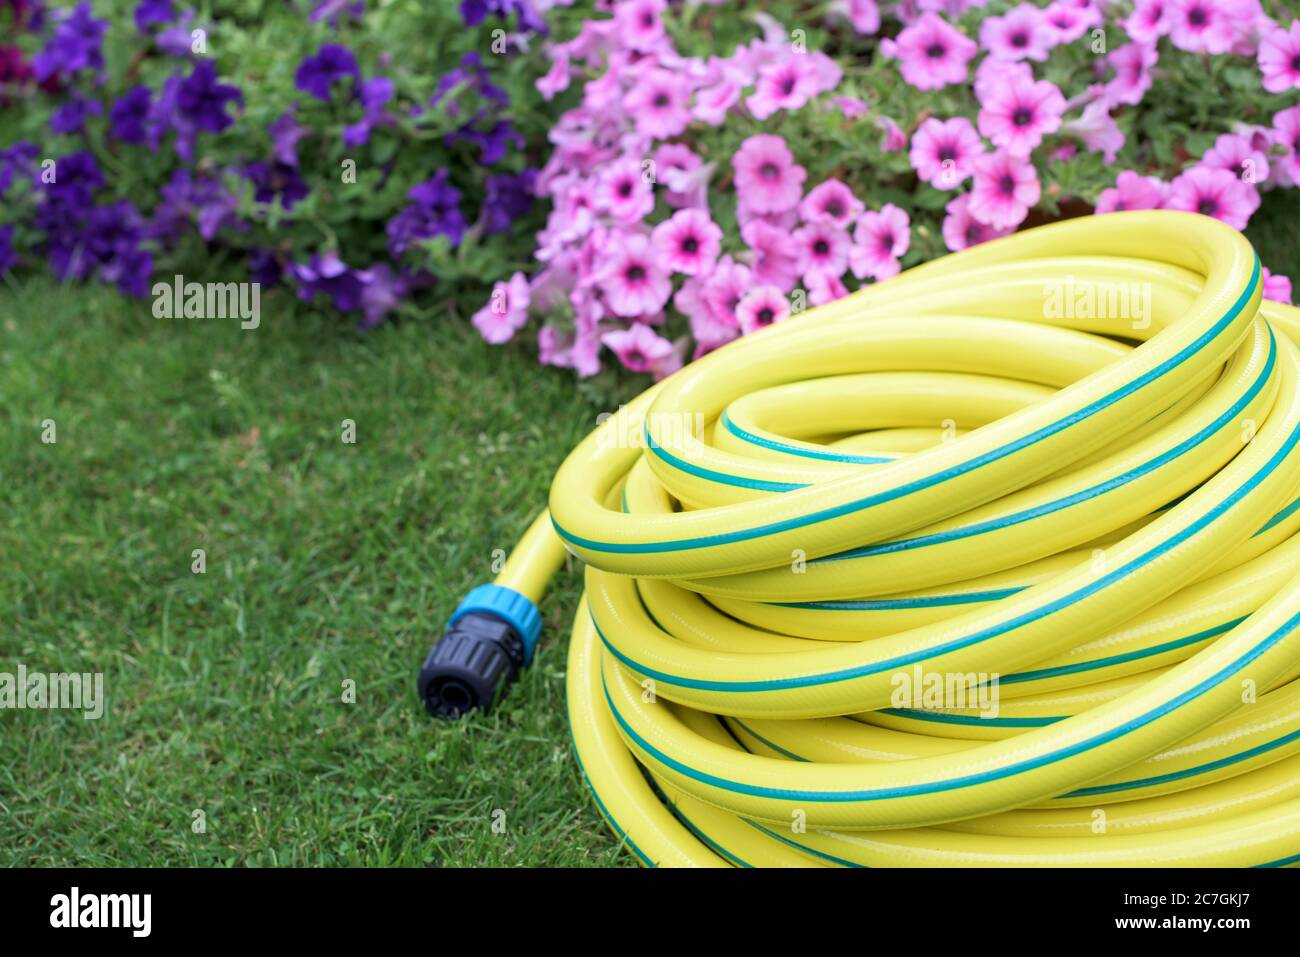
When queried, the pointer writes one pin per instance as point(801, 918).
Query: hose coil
point(991, 564)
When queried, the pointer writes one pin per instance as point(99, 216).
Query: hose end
point(489, 640)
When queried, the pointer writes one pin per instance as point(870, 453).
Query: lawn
point(326, 562)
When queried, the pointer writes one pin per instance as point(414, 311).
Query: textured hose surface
point(994, 563)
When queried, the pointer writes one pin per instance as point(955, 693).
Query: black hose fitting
point(488, 641)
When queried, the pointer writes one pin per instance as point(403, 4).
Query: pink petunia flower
point(823, 247)
point(1021, 33)
point(639, 349)
point(880, 239)
point(993, 73)
point(1017, 116)
point(761, 307)
point(1005, 187)
point(943, 151)
point(1067, 22)
point(625, 192)
point(831, 201)
point(1279, 58)
point(556, 79)
point(1098, 130)
point(776, 259)
point(1286, 134)
point(1200, 26)
point(578, 350)
point(1238, 155)
point(786, 220)
point(1249, 25)
point(863, 15)
point(851, 107)
point(722, 292)
point(895, 140)
point(1149, 21)
point(826, 70)
point(712, 103)
point(824, 287)
point(786, 85)
point(1214, 192)
point(506, 311)
point(931, 52)
point(671, 161)
point(689, 189)
point(1276, 287)
point(688, 243)
point(1063, 153)
point(767, 178)
point(961, 230)
point(659, 104)
point(710, 304)
point(949, 8)
point(1132, 191)
point(1132, 64)
point(633, 282)
point(641, 23)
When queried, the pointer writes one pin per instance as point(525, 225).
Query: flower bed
point(371, 157)
point(717, 169)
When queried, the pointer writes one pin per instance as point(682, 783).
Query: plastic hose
point(994, 563)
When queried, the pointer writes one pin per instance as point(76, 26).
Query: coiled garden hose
point(994, 563)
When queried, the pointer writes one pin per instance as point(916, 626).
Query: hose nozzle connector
point(489, 640)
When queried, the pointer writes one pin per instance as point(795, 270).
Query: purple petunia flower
point(509, 196)
point(317, 74)
point(128, 116)
point(474, 77)
point(272, 181)
point(70, 117)
point(373, 94)
point(474, 12)
point(178, 39)
point(77, 178)
point(285, 134)
point(17, 162)
point(264, 267)
point(194, 197)
point(202, 98)
point(111, 240)
point(327, 274)
point(434, 211)
point(8, 258)
point(163, 118)
point(75, 45)
point(81, 240)
point(382, 291)
point(153, 13)
point(493, 142)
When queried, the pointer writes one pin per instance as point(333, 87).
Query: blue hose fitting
point(489, 639)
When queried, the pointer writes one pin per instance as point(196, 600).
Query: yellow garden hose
point(994, 563)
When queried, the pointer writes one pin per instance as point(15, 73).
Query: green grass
point(325, 562)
